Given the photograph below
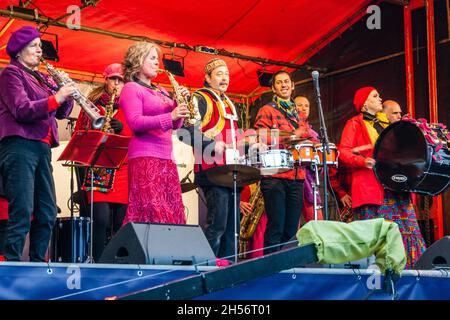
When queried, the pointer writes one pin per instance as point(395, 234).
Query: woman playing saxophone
point(30, 103)
point(110, 185)
point(155, 192)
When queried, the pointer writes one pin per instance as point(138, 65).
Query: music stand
point(71, 125)
point(95, 149)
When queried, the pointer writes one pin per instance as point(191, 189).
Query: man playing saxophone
point(30, 103)
point(110, 185)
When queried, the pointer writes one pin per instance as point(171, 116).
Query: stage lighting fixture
point(265, 78)
point(174, 64)
point(20, 9)
point(49, 51)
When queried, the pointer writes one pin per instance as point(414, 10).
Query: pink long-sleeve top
point(147, 113)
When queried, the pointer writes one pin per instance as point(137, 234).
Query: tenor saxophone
point(250, 222)
point(194, 114)
point(91, 109)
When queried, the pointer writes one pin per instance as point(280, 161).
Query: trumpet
point(90, 108)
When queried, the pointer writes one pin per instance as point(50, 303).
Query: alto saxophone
point(194, 114)
point(109, 111)
point(250, 221)
point(91, 109)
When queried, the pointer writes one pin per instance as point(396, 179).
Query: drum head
point(402, 156)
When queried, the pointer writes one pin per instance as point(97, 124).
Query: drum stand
point(324, 140)
point(316, 186)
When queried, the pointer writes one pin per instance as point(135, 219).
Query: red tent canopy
point(289, 31)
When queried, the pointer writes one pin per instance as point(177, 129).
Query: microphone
point(315, 77)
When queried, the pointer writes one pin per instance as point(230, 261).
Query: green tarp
point(339, 242)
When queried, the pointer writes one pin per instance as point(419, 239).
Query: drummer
point(369, 200)
point(282, 192)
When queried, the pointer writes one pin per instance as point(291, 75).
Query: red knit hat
point(361, 96)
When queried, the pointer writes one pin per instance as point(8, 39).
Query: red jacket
point(3, 208)
point(365, 187)
point(119, 193)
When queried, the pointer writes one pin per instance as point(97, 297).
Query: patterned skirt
point(397, 207)
point(154, 192)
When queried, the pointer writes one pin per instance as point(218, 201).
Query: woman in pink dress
point(152, 115)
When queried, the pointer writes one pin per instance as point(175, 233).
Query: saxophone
point(109, 110)
point(104, 178)
point(194, 114)
point(250, 221)
point(91, 109)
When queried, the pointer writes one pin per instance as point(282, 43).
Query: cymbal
point(280, 133)
point(293, 140)
point(188, 186)
point(223, 175)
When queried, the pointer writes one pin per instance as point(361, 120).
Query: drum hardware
point(234, 176)
point(323, 139)
point(316, 186)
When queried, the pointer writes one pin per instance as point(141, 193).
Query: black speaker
point(436, 256)
point(168, 244)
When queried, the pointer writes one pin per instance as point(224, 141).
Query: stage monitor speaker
point(167, 244)
point(436, 256)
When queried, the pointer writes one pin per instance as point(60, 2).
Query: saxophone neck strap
point(39, 78)
point(151, 87)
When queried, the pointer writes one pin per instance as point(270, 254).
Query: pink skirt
point(154, 192)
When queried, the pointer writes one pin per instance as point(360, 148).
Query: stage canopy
point(291, 32)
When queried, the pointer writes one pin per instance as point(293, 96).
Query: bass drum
point(411, 160)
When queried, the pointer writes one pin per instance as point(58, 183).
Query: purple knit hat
point(20, 39)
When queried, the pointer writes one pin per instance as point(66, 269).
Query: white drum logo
point(399, 178)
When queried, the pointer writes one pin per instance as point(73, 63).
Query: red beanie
point(361, 96)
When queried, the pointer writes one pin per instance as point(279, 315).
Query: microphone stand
point(323, 135)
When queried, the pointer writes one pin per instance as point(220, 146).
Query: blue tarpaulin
point(92, 282)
